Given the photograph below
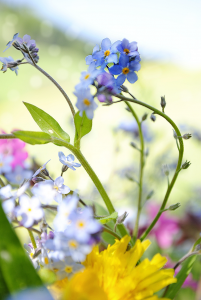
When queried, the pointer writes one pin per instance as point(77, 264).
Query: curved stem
point(181, 151)
point(108, 230)
point(58, 86)
point(136, 228)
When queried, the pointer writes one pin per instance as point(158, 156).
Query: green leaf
point(109, 218)
point(181, 276)
point(83, 126)
point(15, 266)
point(33, 137)
point(47, 123)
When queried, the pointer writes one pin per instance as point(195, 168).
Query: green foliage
point(83, 126)
point(33, 137)
point(47, 123)
point(16, 270)
point(109, 218)
point(181, 276)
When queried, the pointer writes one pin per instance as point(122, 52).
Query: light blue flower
point(108, 51)
point(44, 192)
point(40, 169)
point(90, 58)
point(30, 210)
point(19, 175)
point(68, 161)
point(5, 164)
point(9, 63)
point(85, 102)
point(32, 294)
point(87, 77)
point(127, 48)
point(59, 187)
point(11, 42)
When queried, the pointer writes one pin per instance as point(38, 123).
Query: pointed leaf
point(83, 126)
point(109, 218)
point(33, 137)
point(46, 122)
point(181, 276)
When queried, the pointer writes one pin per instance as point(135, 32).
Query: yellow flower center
point(86, 76)
point(29, 209)
point(1, 164)
point(31, 254)
point(86, 102)
point(107, 53)
point(80, 224)
point(125, 70)
point(73, 244)
point(56, 270)
point(46, 260)
point(56, 188)
point(68, 269)
point(126, 51)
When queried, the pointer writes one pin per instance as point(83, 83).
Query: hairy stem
point(136, 228)
point(181, 151)
point(58, 86)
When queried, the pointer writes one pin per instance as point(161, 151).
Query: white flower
point(68, 161)
point(44, 192)
point(59, 187)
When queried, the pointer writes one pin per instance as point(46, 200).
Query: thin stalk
point(7, 136)
point(2, 184)
point(32, 238)
point(136, 228)
point(58, 86)
point(181, 151)
point(108, 230)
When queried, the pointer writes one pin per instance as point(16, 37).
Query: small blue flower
point(90, 58)
point(108, 51)
point(85, 102)
point(126, 69)
point(87, 77)
point(59, 187)
point(11, 42)
point(68, 161)
point(5, 164)
point(19, 175)
point(9, 63)
point(127, 48)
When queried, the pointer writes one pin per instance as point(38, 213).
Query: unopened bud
point(64, 168)
point(133, 145)
point(150, 195)
point(128, 109)
point(45, 172)
point(174, 206)
point(146, 153)
point(174, 134)
point(144, 117)
point(166, 170)
point(186, 136)
point(186, 165)
point(163, 103)
point(129, 177)
point(120, 219)
point(124, 88)
point(37, 179)
point(153, 117)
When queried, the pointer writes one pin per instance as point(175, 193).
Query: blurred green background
point(107, 149)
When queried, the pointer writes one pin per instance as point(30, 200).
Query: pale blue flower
point(5, 164)
point(9, 63)
point(68, 161)
point(32, 294)
point(129, 49)
point(19, 175)
point(44, 192)
point(108, 51)
point(59, 187)
point(40, 169)
point(85, 102)
point(11, 42)
point(87, 77)
point(30, 210)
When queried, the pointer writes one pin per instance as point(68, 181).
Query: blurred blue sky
point(167, 30)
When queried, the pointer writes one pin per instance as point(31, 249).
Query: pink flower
point(15, 148)
point(165, 229)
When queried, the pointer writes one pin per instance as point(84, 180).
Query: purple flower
point(11, 42)
point(127, 48)
point(68, 161)
point(126, 69)
point(108, 51)
point(9, 63)
point(85, 102)
point(59, 187)
point(24, 44)
point(107, 86)
point(30, 210)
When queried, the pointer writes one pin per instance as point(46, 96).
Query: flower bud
point(186, 165)
point(64, 168)
point(150, 195)
point(153, 117)
point(124, 88)
point(174, 206)
point(166, 170)
point(163, 103)
point(122, 218)
point(133, 145)
point(174, 134)
point(37, 179)
point(144, 117)
point(45, 172)
point(186, 136)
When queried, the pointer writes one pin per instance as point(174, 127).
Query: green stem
point(108, 230)
point(58, 86)
point(32, 238)
point(7, 136)
point(2, 184)
point(136, 228)
point(95, 180)
point(181, 151)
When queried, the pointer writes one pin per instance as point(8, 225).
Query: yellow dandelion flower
point(114, 274)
